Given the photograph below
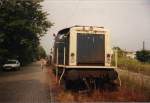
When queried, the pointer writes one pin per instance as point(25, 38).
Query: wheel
point(72, 75)
point(118, 81)
point(18, 68)
point(15, 69)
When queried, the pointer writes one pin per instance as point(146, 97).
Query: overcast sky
point(127, 20)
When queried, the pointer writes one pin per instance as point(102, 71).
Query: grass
point(136, 84)
point(133, 65)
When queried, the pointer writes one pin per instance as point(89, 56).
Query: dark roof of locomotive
point(63, 31)
point(66, 30)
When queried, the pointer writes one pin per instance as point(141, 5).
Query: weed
point(133, 65)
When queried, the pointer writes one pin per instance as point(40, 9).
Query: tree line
point(22, 24)
point(142, 55)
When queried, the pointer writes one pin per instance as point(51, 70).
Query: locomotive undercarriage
point(85, 78)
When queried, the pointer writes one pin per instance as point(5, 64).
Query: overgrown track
point(96, 95)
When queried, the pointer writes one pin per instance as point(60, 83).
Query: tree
point(120, 52)
point(22, 23)
point(41, 52)
point(143, 55)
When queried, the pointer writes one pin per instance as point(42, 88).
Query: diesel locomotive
point(84, 53)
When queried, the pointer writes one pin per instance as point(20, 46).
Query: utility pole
point(143, 45)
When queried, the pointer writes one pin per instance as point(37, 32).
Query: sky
point(127, 20)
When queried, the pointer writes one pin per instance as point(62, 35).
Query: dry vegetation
point(133, 65)
point(124, 94)
point(136, 83)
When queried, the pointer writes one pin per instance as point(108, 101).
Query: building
point(131, 55)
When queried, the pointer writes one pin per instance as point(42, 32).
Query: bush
point(143, 56)
point(133, 65)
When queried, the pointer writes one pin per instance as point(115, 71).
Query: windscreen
point(11, 62)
